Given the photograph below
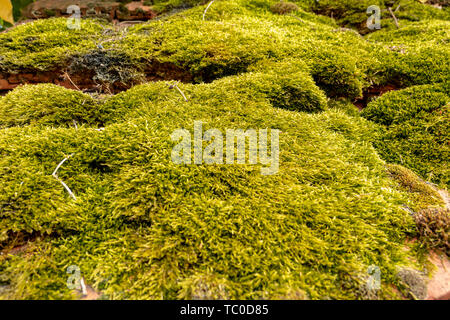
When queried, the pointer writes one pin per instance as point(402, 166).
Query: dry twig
point(394, 17)
point(179, 90)
point(66, 75)
point(204, 13)
point(62, 182)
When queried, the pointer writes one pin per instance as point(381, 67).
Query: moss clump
point(400, 106)
point(285, 84)
point(413, 282)
point(244, 34)
point(45, 44)
point(283, 7)
point(336, 72)
point(417, 129)
point(48, 104)
point(423, 194)
point(417, 53)
point(434, 228)
point(411, 10)
point(250, 39)
point(415, 34)
point(350, 13)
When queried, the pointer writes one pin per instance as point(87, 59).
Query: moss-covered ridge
point(234, 36)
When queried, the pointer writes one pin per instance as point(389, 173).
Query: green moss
point(45, 44)
point(344, 105)
point(396, 107)
point(48, 104)
point(144, 227)
point(352, 13)
point(154, 229)
point(343, 66)
point(244, 34)
point(422, 194)
point(180, 41)
point(417, 53)
point(285, 84)
point(415, 34)
point(410, 10)
point(417, 122)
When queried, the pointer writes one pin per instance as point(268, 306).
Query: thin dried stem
point(394, 17)
point(294, 16)
point(204, 12)
point(179, 90)
point(66, 75)
point(62, 182)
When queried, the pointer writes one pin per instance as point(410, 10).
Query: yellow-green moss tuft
point(50, 105)
point(417, 122)
point(423, 194)
point(434, 228)
point(283, 7)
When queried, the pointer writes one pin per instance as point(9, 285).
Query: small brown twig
point(66, 76)
point(394, 17)
point(294, 16)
